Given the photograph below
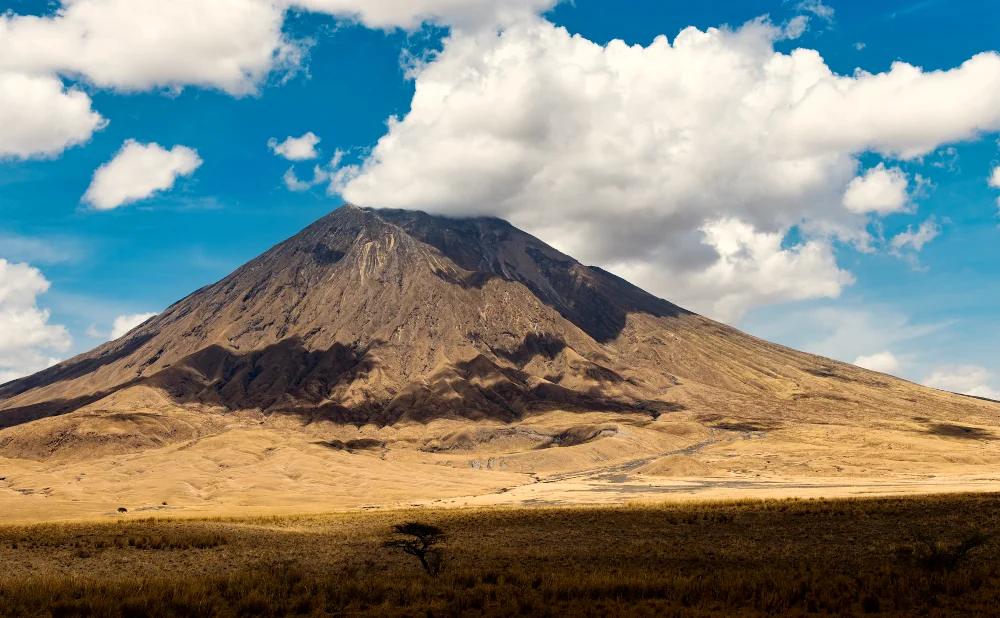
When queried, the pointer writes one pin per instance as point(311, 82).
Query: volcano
point(410, 337)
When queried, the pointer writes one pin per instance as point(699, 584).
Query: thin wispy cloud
point(914, 8)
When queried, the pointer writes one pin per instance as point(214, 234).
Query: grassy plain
point(876, 556)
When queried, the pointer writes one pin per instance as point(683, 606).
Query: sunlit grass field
point(933, 556)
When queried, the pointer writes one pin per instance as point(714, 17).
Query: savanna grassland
point(933, 556)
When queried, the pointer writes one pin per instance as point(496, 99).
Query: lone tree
point(424, 538)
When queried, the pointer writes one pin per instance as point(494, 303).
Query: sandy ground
point(552, 459)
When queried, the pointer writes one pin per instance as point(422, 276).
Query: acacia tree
point(421, 544)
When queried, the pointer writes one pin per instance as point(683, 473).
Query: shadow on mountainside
point(346, 384)
point(599, 307)
point(73, 368)
point(12, 417)
point(950, 430)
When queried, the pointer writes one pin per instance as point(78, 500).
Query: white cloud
point(296, 148)
point(903, 113)
point(41, 118)
point(880, 190)
point(995, 178)
point(860, 46)
point(135, 45)
point(137, 172)
point(410, 14)
point(27, 340)
point(230, 45)
point(142, 45)
point(966, 380)
point(752, 269)
point(625, 155)
point(126, 323)
point(127, 45)
point(916, 239)
point(883, 362)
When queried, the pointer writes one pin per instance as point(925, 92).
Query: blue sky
point(799, 268)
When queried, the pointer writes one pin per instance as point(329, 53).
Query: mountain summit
point(459, 334)
point(371, 316)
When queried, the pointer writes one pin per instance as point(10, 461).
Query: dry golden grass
point(287, 468)
point(888, 556)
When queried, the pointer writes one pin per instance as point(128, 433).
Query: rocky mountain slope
point(379, 317)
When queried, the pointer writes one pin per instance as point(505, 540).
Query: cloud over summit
point(630, 156)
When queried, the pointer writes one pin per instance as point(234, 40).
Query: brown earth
point(383, 358)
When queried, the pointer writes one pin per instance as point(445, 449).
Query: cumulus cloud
point(880, 190)
point(134, 45)
point(295, 148)
point(966, 380)
point(128, 45)
point(752, 268)
point(27, 339)
point(137, 172)
point(124, 324)
point(883, 362)
point(142, 45)
point(624, 156)
point(230, 45)
point(904, 113)
point(994, 180)
point(42, 118)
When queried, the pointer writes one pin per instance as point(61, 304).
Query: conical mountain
point(376, 317)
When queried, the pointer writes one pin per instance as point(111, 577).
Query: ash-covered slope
point(373, 316)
